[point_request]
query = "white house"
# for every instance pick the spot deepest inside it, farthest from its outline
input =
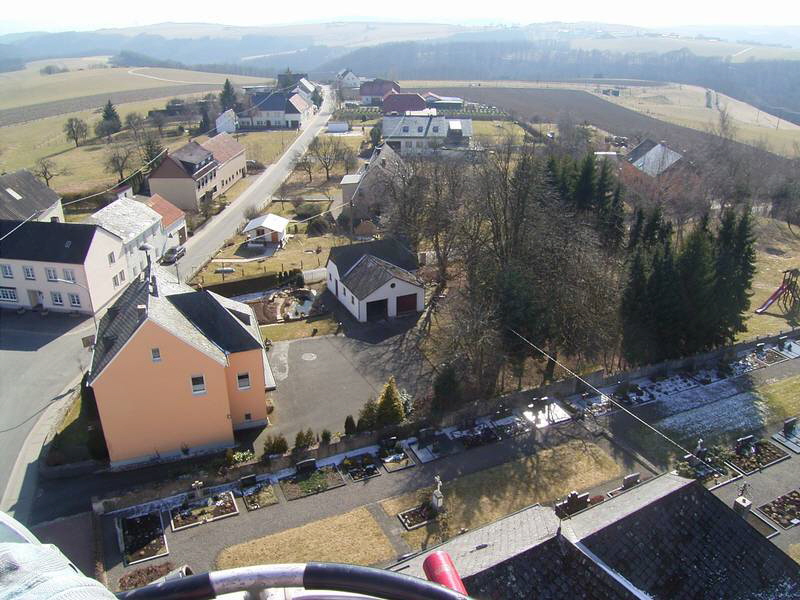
(70, 267)
(347, 79)
(227, 122)
(375, 280)
(266, 229)
(418, 134)
(23, 196)
(136, 224)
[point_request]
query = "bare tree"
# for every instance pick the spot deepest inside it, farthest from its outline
(349, 159)
(327, 151)
(159, 120)
(46, 169)
(76, 130)
(283, 192)
(306, 165)
(117, 159)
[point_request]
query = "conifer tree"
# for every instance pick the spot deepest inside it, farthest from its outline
(637, 338)
(745, 251)
(110, 113)
(227, 98)
(584, 191)
(665, 301)
(698, 313)
(726, 266)
(613, 219)
(603, 186)
(635, 235)
(390, 405)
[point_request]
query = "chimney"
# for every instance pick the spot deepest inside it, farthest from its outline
(154, 285)
(141, 310)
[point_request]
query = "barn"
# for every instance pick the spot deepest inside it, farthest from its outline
(375, 280)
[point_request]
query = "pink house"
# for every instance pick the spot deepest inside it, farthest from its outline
(176, 371)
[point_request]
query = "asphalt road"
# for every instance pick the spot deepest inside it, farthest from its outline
(206, 242)
(39, 357)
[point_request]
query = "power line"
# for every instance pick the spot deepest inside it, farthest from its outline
(611, 399)
(20, 225)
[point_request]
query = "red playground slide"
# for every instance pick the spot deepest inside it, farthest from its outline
(771, 299)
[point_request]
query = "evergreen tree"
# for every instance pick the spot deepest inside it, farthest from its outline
(665, 301)
(726, 266)
(446, 389)
(584, 190)
(635, 235)
(368, 417)
(637, 325)
(349, 425)
(613, 219)
(110, 113)
(653, 230)
(698, 313)
(745, 251)
(227, 99)
(603, 186)
(390, 405)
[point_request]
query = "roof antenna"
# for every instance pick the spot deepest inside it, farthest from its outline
(146, 248)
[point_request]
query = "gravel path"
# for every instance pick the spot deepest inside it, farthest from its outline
(12, 116)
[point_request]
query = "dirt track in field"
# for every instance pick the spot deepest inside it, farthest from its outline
(12, 116)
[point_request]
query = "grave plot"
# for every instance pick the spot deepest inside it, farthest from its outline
(771, 356)
(790, 349)
(750, 455)
(789, 435)
(511, 426)
(142, 538)
(393, 456)
(259, 496)
(362, 466)
(417, 517)
(545, 413)
(431, 444)
(673, 384)
(309, 479)
(204, 510)
(745, 365)
(708, 375)
(784, 510)
(474, 434)
(628, 482)
(708, 466)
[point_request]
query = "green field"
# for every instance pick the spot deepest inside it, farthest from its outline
(28, 86)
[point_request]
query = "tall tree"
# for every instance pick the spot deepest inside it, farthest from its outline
(665, 301)
(227, 98)
(584, 192)
(327, 151)
(76, 130)
(696, 268)
(604, 184)
(390, 406)
(46, 169)
(151, 151)
(118, 158)
(637, 324)
(613, 219)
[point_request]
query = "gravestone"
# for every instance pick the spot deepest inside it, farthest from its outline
(744, 444)
(247, 481)
(790, 427)
(308, 465)
(437, 497)
(630, 480)
(742, 505)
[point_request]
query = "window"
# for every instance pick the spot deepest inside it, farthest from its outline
(419, 129)
(111, 259)
(155, 354)
(69, 275)
(122, 276)
(352, 300)
(435, 129)
(198, 384)
(74, 300)
(248, 416)
(392, 285)
(7, 273)
(330, 277)
(57, 298)
(8, 294)
(51, 274)
(115, 279)
(29, 274)
(243, 379)
(405, 129)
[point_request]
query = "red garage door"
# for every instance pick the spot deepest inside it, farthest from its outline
(407, 303)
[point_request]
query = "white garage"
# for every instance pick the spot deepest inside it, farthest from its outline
(367, 279)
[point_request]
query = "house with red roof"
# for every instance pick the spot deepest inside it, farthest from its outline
(400, 102)
(372, 92)
(173, 219)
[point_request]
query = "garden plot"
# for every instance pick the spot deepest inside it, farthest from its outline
(259, 496)
(784, 510)
(205, 510)
(712, 471)
(142, 538)
(747, 363)
(771, 356)
(305, 484)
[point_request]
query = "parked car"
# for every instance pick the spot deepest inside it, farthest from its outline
(172, 255)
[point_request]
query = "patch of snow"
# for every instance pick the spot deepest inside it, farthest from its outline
(742, 412)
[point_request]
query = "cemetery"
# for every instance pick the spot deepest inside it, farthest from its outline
(751, 455)
(203, 510)
(789, 435)
(361, 467)
(142, 538)
(310, 479)
(394, 456)
(709, 466)
(784, 510)
(257, 495)
(427, 511)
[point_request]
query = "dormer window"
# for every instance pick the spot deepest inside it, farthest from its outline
(405, 129)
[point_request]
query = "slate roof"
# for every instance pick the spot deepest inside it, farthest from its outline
(370, 273)
(34, 196)
(192, 153)
(47, 242)
(223, 146)
(667, 539)
(216, 323)
(392, 251)
(125, 217)
(211, 324)
(270, 101)
(652, 158)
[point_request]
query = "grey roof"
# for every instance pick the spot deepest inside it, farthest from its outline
(126, 217)
(270, 101)
(668, 538)
(192, 153)
(370, 273)
(652, 158)
(392, 251)
(214, 321)
(206, 321)
(34, 196)
(47, 242)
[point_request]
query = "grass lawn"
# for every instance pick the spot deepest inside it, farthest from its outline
(782, 398)
(266, 146)
(353, 537)
(794, 552)
(483, 497)
(500, 130)
(300, 252)
(324, 324)
(778, 249)
(72, 436)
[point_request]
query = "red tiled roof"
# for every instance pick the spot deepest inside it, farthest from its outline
(393, 102)
(168, 211)
(223, 147)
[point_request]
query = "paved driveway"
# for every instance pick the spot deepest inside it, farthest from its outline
(322, 380)
(39, 356)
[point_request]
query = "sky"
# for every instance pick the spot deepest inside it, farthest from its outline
(57, 15)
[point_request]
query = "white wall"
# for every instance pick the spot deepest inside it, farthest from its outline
(402, 288)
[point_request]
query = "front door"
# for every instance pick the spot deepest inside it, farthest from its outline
(36, 298)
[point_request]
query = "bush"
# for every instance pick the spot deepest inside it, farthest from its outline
(368, 416)
(318, 226)
(303, 440)
(447, 393)
(307, 210)
(326, 436)
(275, 445)
(251, 213)
(349, 425)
